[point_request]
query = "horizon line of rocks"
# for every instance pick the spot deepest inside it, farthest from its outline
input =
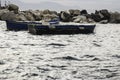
(12, 12)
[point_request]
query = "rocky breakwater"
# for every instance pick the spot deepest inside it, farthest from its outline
(12, 12)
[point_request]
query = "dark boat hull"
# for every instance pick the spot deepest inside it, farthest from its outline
(18, 25)
(60, 29)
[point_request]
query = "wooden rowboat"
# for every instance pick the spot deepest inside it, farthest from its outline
(19, 25)
(60, 29)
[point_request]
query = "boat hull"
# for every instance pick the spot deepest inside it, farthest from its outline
(60, 29)
(18, 25)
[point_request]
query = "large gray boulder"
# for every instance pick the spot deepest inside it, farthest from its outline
(46, 11)
(80, 19)
(105, 13)
(37, 15)
(49, 17)
(54, 12)
(13, 7)
(101, 16)
(83, 12)
(96, 17)
(29, 17)
(74, 12)
(65, 16)
(115, 17)
(2, 12)
(89, 20)
(21, 17)
(9, 16)
(104, 22)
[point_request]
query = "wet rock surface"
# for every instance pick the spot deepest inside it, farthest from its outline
(60, 57)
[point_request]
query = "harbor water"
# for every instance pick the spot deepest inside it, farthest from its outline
(24, 56)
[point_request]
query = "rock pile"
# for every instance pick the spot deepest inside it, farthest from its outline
(101, 16)
(12, 12)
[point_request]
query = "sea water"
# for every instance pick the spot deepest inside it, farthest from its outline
(96, 56)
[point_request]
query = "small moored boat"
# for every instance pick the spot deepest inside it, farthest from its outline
(61, 28)
(19, 25)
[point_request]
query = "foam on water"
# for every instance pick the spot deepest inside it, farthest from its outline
(60, 57)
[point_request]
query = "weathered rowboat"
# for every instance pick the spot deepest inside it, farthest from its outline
(19, 25)
(60, 29)
(53, 28)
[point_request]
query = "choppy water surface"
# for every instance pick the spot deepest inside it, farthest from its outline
(60, 57)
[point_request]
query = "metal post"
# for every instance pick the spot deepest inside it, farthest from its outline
(5, 3)
(0, 4)
(9, 3)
